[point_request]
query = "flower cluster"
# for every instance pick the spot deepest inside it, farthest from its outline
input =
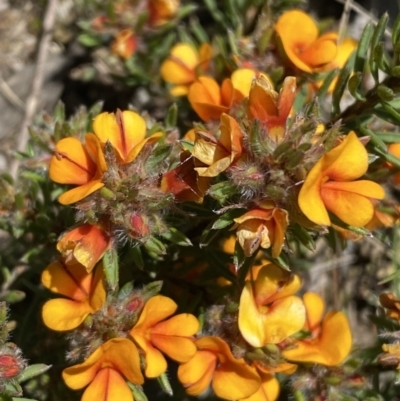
(154, 204)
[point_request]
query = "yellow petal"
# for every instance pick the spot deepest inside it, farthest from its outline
(124, 130)
(365, 188)
(80, 375)
(156, 309)
(296, 30)
(73, 282)
(268, 391)
(178, 348)
(98, 291)
(242, 80)
(346, 162)
(284, 318)
(81, 192)
(196, 374)
(353, 209)
(64, 314)
(108, 385)
(155, 361)
(122, 354)
(235, 381)
(183, 325)
(322, 51)
(137, 148)
(315, 307)
(179, 68)
(332, 346)
(72, 163)
(310, 201)
(179, 90)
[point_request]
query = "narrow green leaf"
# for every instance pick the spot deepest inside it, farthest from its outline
(176, 237)
(111, 268)
(341, 84)
(388, 137)
(33, 371)
(354, 86)
(322, 91)
(362, 48)
(198, 31)
(137, 391)
(376, 37)
(374, 138)
(385, 93)
(165, 384)
(396, 31)
(226, 219)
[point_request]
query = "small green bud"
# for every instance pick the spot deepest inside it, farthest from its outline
(155, 246)
(107, 193)
(271, 349)
(385, 93)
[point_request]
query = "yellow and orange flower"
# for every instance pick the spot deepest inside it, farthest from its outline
(184, 65)
(269, 107)
(106, 372)
(330, 337)
(78, 164)
(85, 244)
(330, 185)
(264, 226)
(126, 131)
(174, 337)
(213, 363)
(298, 35)
(268, 310)
(161, 11)
(86, 293)
(268, 391)
(218, 154)
(124, 45)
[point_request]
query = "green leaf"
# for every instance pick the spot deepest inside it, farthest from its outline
(89, 40)
(137, 391)
(374, 138)
(33, 371)
(198, 31)
(171, 117)
(222, 191)
(362, 48)
(111, 268)
(396, 31)
(155, 247)
(341, 84)
(126, 291)
(176, 237)
(376, 37)
(354, 85)
(226, 219)
(322, 91)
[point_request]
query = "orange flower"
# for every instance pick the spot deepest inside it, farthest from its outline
(184, 182)
(268, 310)
(126, 131)
(78, 164)
(269, 107)
(330, 186)
(173, 336)
(394, 149)
(392, 304)
(85, 244)
(184, 65)
(106, 370)
(231, 378)
(124, 45)
(209, 100)
(330, 340)
(298, 35)
(218, 155)
(262, 227)
(161, 11)
(85, 291)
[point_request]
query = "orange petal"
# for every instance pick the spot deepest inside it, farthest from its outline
(95, 150)
(310, 201)
(355, 210)
(179, 68)
(155, 361)
(268, 391)
(183, 325)
(231, 136)
(365, 188)
(98, 291)
(122, 354)
(88, 243)
(331, 348)
(322, 51)
(262, 102)
(73, 282)
(79, 376)
(64, 314)
(124, 130)
(72, 163)
(108, 385)
(315, 307)
(346, 162)
(79, 193)
(137, 148)
(178, 348)
(296, 30)
(286, 97)
(205, 91)
(156, 309)
(196, 374)
(284, 318)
